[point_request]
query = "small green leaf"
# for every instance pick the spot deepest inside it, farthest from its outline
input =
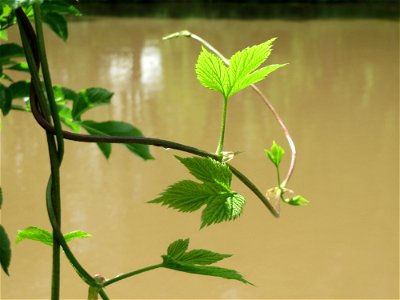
(45, 237)
(115, 128)
(5, 250)
(202, 257)
(57, 23)
(35, 234)
(208, 170)
(77, 234)
(88, 99)
(197, 261)
(297, 201)
(275, 154)
(178, 248)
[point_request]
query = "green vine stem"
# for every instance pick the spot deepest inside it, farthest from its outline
(186, 33)
(220, 146)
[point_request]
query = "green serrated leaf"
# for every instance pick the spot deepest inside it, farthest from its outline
(57, 23)
(5, 250)
(186, 196)
(222, 204)
(224, 207)
(77, 234)
(115, 128)
(202, 257)
(35, 234)
(275, 154)
(208, 170)
(196, 261)
(178, 248)
(88, 99)
(213, 74)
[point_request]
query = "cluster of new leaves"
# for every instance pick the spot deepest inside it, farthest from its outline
(214, 191)
(241, 73)
(197, 261)
(275, 155)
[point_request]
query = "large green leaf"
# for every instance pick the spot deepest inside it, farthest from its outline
(222, 204)
(115, 128)
(57, 23)
(5, 250)
(197, 261)
(242, 72)
(88, 99)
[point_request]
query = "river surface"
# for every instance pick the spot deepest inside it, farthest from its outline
(339, 97)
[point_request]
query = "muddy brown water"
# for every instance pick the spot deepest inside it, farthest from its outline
(339, 97)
